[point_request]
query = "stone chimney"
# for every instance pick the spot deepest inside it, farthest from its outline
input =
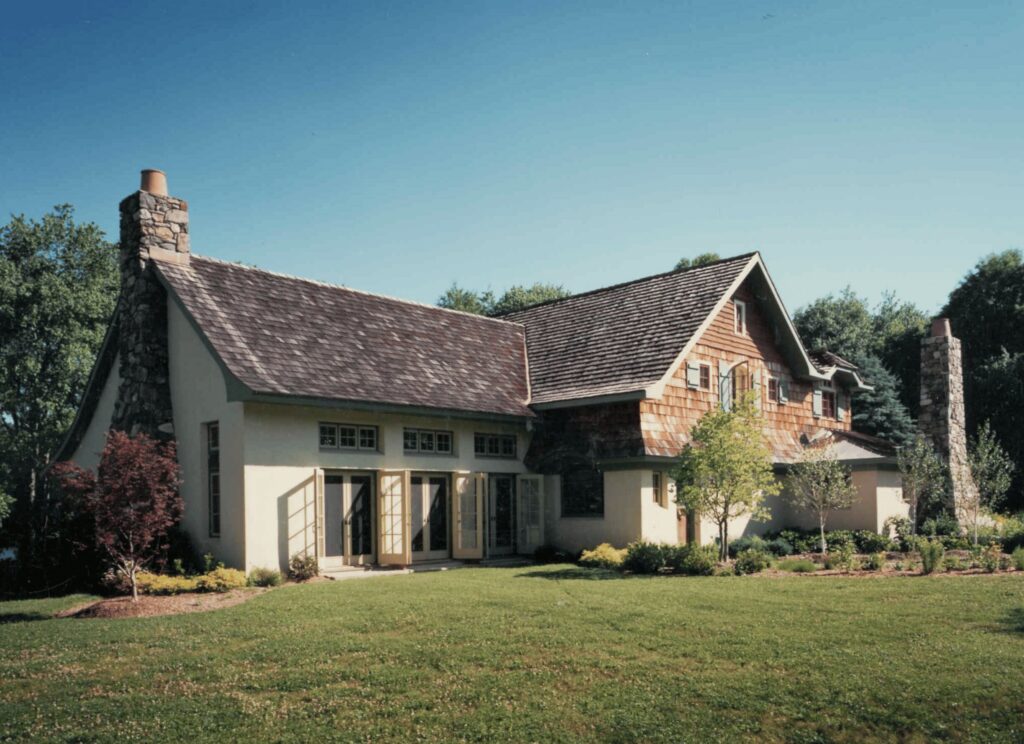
(154, 226)
(941, 418)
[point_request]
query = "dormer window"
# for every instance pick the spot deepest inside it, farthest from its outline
(740, 312)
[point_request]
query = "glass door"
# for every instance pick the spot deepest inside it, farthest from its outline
(359, 520)
(501, 523)
(429, 510)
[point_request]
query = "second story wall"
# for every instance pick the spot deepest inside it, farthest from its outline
(666, 422)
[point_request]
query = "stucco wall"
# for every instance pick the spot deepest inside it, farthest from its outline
(282, 450)
(657, 523)
(620, 524)
(87, 455)
(198, 396)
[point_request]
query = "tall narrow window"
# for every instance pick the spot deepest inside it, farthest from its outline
(773, 389)
(213, 476)
(705, 377)
(657, 487)
(828, 403)
(740, 309)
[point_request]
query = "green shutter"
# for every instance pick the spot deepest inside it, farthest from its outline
(724, 386)
(840, 410)
(783, 391)
(816, 403)
(692, 375)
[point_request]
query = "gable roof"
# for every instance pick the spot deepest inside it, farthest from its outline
(620, 340)
(280, 336)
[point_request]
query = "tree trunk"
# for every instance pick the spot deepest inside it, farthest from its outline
(724, 529)
(135, 585)
(821, 526)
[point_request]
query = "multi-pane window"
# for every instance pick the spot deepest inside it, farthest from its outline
(742, 382)
(430, 441)
(213, 476)
(773, 389)
(348, 436)
(705, 377)
(740, 310)
(659, 488)
(494, 445)
(583, 493)
(828, 403)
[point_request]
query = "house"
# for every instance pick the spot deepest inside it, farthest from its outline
(369, 430)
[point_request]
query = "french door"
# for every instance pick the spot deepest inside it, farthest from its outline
(429, 517)
(501, 512)
(348, 518)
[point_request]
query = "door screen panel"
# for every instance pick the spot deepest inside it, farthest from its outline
(333, 515)
(416, 512)
(502, 514)
(438, 495)
(360, 516)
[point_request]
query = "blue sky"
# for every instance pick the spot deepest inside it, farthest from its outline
(398, 147)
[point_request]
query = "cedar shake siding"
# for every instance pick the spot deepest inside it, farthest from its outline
(666, 422)
(582, 437)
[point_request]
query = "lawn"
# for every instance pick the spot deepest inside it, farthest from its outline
(534, 654)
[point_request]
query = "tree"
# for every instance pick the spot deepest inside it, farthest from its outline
(725, 471)
(880, 412)
(515, 297)
(133, 499)
(58, 286)
(924, 476)
(702, 259)
(820, 483)
(992, 470)
(5, 506)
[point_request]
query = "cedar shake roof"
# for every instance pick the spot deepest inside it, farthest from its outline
(280, 335)
(823, 359)
(620, 339)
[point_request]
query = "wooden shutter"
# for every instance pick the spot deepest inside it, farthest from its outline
(840, 410)
(393, 515)
(724, 386)
(318, 496)
(468, 505)
(783, 390)
(530, 513)
(816, 403)
(756, 376)
(692, 375)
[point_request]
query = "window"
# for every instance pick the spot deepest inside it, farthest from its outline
(348, 436)
(742, 382)
(705, 377)
(828, 403)
(740, 312)
(213, 476)
(428, 441)
(773, 389)
(583, 493)
(494, 445)
(660, 490)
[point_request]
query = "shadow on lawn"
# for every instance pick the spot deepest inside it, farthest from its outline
(23, 617)
(575, 573)
(1015, 620)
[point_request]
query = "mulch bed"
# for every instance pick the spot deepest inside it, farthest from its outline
(150, 606)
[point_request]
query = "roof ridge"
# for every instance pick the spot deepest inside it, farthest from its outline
(610, 287)
(329, 285)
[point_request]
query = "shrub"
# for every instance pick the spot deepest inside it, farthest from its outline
(779, 547)
(870, 542)
(603, 556)
(691, 560)
(1011, 531)
(752, 561)
(953, 563)
(874, 562)
(992, 558)
(902, 528)
(1017, 559)
(840, 557)
(839, 539)
(797, 565)
(939, 525)
(747, 542)
(150, 583)
(931, 554)
(221, 580)
(264, 577)
(303, 567)
(644, 557)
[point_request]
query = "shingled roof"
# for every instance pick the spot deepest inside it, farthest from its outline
(283, 336)
(620, 339)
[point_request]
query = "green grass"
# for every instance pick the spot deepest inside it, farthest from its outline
(797, 565)
(534, 654)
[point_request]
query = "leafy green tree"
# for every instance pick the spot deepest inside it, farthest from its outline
(725, 471)
(5, 506)
(58, 286)
(514, 298)
(819, 483)
(924, 476)
(702, 259)
(992, 470)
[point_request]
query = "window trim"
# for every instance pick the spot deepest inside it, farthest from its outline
(500, 438)
(659, 482)
(358, 430)
(774, 382)
(829, 394)
(739, 323)
(419, 432)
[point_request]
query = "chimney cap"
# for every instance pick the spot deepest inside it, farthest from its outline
(154, 181)
(940, 327)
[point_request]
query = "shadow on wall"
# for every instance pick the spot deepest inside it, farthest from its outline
(296, 521)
